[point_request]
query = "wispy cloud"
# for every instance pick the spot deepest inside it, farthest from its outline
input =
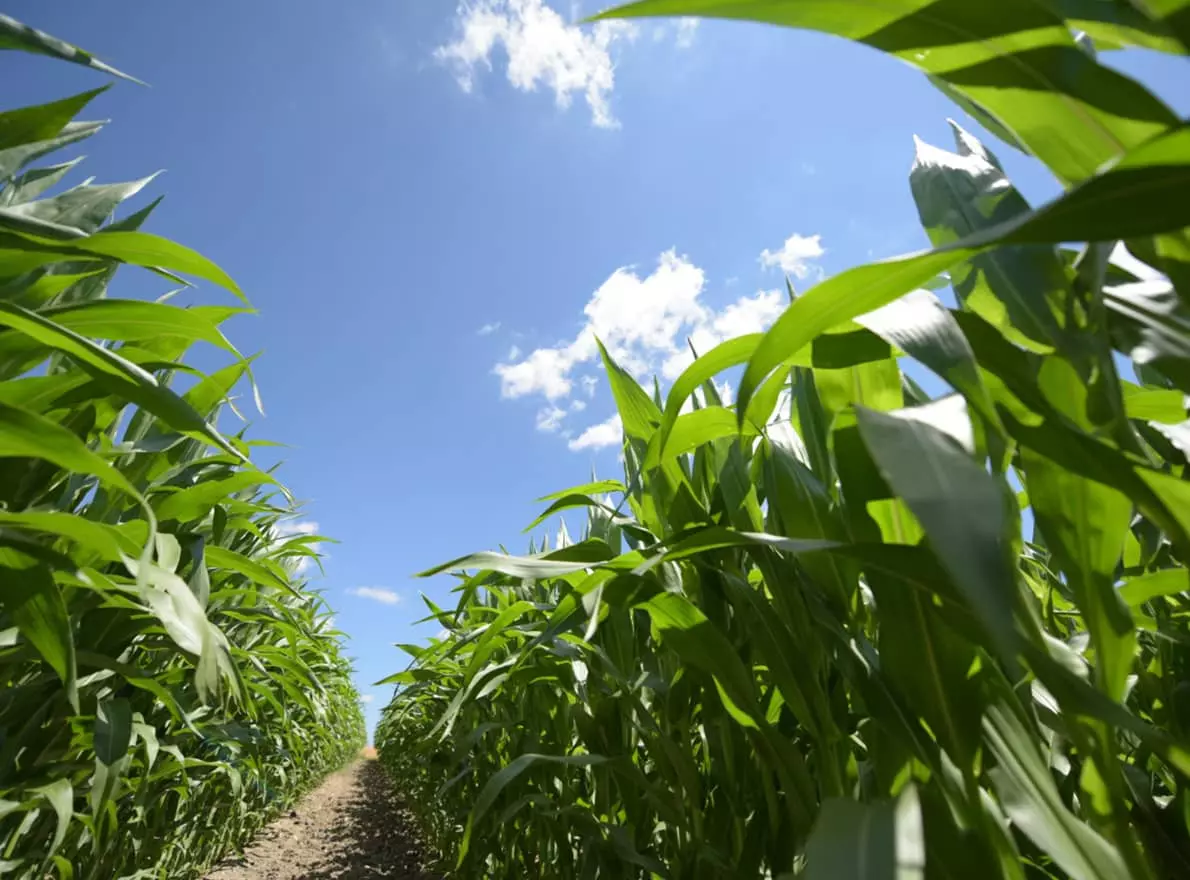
(376, 594)
(488, 329)
(366, 698)
(686, 29)
(549, 419)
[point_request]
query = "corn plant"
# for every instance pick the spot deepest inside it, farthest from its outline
(166, 681)
(844, 627)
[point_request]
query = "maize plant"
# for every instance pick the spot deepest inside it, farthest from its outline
(166, 681)
(861, 623)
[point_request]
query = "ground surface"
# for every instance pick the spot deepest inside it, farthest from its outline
(352, 827)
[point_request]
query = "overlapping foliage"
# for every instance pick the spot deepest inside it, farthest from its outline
(845, 628)
(166, 682)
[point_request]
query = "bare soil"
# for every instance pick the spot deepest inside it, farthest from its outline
(352, 827)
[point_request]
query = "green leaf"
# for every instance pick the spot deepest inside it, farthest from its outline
(501, 779)
(693, 429)
(59, 794)
(569, 502)
(547, 565)
(1164, 405)
(1084, 524)
(27, 435)
(597, 488)
(960, 506)
(1117, 25)
(113, 730)
(1139, 589)
(132, 320)
(1032, 801)
(84, 208)
(1111, 205)
(34, 602)
(13, 159)
(1017, 288)
(638, 412)
(1149, 322)
(723, 356)
(1016, 60)
(41, 123)
(195, 502)
(137, 248)
(108, 542)
(136, 384)
(221, 557)
(857, 841)
(14, 35)
(33, 183)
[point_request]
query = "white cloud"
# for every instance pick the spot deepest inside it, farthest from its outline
(541, 48)
(366, 698)
(750, 314)
(376, 594)
(683, 31)
(488, 329)
(513, 353)
(686, 28)
(549, 418)
(608, 433)
(637, 319)
(796, 257)
(648, 325)
(287, 528)
(545, 371)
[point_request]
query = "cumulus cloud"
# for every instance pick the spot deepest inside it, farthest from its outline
(796, 257)
(366, 698)
(376, 594)
(542, 49)
(648, 325)
(599, 436)
(636, 318)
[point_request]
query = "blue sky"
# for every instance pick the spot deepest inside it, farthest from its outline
(434, 208)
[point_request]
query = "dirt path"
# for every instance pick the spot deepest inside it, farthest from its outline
(351, 827)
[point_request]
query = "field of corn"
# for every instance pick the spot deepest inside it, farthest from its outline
(167, 684)
(846, 627)
(912, 603)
